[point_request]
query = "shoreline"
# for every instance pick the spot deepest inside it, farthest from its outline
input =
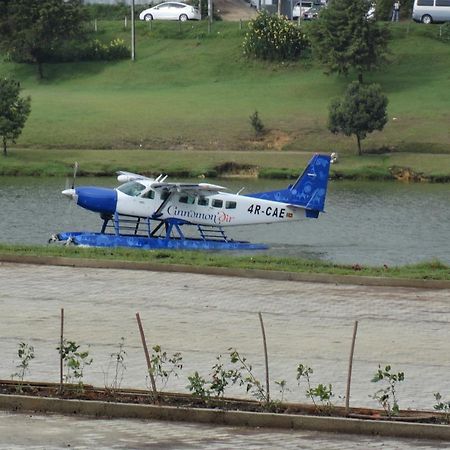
(226, 271)
(246, 164)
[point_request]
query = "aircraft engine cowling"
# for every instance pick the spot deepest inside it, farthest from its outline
(97, 199)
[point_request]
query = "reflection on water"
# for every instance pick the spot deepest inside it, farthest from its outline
(366, 223)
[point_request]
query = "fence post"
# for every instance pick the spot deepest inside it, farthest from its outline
(266, 358)
(350, 365)
(61, 343)
(147, 356)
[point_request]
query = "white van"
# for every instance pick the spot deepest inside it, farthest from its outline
(429, 11)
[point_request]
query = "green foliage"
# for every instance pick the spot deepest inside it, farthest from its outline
(246, 377)
(360, 111)
(343, 39)
(442, 406)
(99, 51)
(222, 377)
(257, 125)
(162, 366)
(282, 385)
(14, 111)
(25, 353)
(117, 365)
(33, 30)
(321, 393)
(387, 396)
(273, 38)
(74, 361)
(197, 385)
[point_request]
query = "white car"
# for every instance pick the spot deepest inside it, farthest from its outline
(170, 11)
(306, 6)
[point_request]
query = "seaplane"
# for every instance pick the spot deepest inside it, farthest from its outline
(153, 213)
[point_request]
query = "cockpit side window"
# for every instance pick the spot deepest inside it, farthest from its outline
(164, 194)
(149, 194)
(132, 188)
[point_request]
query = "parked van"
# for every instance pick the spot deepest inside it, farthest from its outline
(428, 11)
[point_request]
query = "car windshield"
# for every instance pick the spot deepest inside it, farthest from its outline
(132, 188)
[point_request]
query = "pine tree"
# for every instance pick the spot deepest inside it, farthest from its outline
(344, 39)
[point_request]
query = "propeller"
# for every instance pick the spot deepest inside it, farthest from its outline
(75, 170)
(70, 193)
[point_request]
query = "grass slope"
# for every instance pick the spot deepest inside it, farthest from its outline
(192, 90)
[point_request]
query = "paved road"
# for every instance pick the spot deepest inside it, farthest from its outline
(202, 316)
(19, 431)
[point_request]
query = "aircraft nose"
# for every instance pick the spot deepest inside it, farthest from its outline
(70, 193)
(97, 199)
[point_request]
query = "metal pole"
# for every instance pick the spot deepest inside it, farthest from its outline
(210, 14)
(350, 365)
(133, 34)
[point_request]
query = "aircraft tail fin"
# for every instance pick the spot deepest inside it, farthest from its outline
(310, 189)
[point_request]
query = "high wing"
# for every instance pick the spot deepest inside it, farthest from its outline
(188, 188)
(123, 176)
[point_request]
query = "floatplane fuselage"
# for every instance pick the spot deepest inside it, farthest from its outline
(204, 204)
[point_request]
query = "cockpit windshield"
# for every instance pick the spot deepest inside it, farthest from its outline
(132, 188)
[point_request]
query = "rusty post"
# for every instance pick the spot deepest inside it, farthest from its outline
(350, 366)
(147, 357)
(266, 358)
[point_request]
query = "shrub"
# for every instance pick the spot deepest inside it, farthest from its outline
(273, 38)
(98, 51)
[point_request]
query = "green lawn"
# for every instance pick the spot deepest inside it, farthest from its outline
(432, 270)
(189, 90)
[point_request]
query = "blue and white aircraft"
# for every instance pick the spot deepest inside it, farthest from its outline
(159, 209)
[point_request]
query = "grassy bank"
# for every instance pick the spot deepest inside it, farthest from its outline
(190, 90)
(434, 270)
(194, 163)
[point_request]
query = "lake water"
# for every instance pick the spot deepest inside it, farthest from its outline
(366, 222)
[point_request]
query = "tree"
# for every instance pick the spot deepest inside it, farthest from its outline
(360, 111)
(344, 39)
(14, 111)
(34, 30)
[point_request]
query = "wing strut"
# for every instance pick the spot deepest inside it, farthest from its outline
(158, 212)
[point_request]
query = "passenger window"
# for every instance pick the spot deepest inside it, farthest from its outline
(149, 194)
(230, 205)
(442, 2)
(187, 199)
(217, 203)
(164, 195)
(203, 201)
(425, 2)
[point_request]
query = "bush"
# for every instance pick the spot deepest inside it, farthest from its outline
(273, 38)
(98, 51)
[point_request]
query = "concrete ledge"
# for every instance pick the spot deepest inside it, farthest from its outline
(219, 417)
(225, 271)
